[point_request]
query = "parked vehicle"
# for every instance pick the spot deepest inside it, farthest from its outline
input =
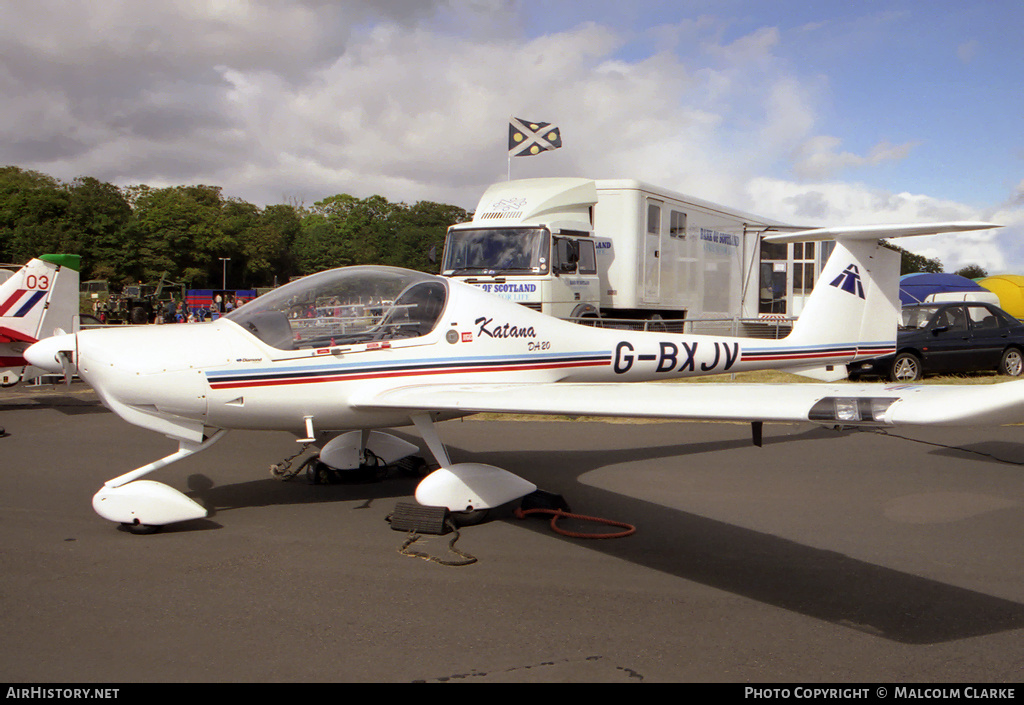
(624, 249)
(951, 337)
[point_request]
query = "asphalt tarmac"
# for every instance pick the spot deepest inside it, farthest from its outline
(823, 556)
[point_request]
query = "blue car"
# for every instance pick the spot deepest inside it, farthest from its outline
(963, 336)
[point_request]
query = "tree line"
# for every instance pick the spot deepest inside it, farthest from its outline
(194, 234)
(911, 263)
(140, 234)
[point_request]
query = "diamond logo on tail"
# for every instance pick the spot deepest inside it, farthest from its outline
(849, 281)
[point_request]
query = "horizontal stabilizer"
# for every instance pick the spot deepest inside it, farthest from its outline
(878, 232)
(9, 335)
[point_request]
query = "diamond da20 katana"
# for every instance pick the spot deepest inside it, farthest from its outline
(335, 356)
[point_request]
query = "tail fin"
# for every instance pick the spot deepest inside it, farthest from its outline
(35, 301)
(855, 304)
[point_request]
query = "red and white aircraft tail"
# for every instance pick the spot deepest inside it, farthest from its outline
(36, 301)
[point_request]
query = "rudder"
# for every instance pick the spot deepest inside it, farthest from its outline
(854, 306)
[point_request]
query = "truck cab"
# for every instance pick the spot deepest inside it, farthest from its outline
(532, 242)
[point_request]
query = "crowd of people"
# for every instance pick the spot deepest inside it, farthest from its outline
(117, 310)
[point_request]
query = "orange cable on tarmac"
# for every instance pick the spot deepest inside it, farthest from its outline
(559, 514)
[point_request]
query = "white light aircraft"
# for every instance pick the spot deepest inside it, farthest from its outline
(35, 301)
(357, 349)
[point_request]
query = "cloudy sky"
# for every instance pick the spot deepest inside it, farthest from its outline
(813, 112)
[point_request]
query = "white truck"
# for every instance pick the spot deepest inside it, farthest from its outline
(623, 249)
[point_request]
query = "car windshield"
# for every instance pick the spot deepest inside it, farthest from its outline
(346, 306)
(497, 250)
(917, 316)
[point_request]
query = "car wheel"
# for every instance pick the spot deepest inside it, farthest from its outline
(906, 367)
(1012, 363)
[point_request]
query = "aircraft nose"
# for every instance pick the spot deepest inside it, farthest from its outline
(46, 354)
(152, 372)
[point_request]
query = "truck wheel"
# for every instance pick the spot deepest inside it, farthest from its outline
(1012, 363)
(139, 316)
(906, 367)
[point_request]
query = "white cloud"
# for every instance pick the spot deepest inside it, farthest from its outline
(833, 204)
(298, 101)
(789, 115)
(264, 99)
(438, 132)
(751, 49)
(818, 157)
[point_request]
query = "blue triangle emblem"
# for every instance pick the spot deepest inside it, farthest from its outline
(849, 281)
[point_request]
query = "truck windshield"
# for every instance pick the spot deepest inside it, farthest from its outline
(497, 250)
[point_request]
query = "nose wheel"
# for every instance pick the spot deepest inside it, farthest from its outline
(140, 529)
(143, 506)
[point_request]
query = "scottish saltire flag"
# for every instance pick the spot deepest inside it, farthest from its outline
(527, 138)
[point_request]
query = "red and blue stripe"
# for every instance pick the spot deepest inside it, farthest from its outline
(236, 379)
(21, 303)
(818, 353)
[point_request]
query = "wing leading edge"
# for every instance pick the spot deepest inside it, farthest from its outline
(847, 404)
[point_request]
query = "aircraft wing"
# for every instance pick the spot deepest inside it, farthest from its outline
(829, 404)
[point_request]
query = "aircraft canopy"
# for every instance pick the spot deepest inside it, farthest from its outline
(344, 307)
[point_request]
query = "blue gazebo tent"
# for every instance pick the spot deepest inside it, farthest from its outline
(923, 287)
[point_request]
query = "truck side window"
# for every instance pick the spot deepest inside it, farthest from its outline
(677, 225)
(588, 257)
(653, 219)
(566, 255)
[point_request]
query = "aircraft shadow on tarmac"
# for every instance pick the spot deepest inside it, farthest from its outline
(818, 583)
(814, 582)
(272, 492)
